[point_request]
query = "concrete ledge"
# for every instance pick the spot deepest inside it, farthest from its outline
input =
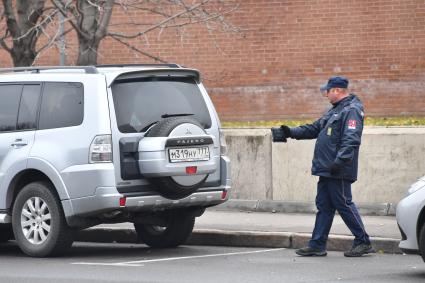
(375, 209)
(389, 163)
(209, 237)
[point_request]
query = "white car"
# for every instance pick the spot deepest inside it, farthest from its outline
(411, 219)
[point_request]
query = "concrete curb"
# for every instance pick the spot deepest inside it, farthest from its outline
(375, 209)
(209, 237)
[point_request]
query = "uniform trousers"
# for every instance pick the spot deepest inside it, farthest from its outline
(335, 195)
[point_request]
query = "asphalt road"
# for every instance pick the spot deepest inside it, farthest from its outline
(137, 263)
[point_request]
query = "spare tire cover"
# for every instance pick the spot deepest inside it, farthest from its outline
(177, 187)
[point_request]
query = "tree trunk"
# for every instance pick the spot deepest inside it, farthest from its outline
(22, 56)
(93, 23)
(21, 26)
(23, 52)
(87, 52)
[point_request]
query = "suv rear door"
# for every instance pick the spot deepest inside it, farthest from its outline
(139, 102)
(18, 117)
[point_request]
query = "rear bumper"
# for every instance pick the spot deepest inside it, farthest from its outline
(155, 203)
(107, 199)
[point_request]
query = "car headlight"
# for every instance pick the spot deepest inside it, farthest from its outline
(420, 184)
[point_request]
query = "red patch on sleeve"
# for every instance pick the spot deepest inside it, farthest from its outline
(352, 124)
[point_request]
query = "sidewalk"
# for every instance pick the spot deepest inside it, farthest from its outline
(261, 229)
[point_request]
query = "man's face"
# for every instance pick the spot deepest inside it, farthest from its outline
(334, 95)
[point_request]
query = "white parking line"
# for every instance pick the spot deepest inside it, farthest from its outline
(142, 262)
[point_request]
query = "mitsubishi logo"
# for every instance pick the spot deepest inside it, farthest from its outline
(188, 132)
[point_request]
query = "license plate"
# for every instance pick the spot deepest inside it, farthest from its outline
(188, 154)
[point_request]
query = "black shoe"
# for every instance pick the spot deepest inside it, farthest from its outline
(359, 250)
(308, 251)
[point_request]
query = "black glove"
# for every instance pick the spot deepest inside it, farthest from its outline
(335, 169)
(286, 130)
(281, 134)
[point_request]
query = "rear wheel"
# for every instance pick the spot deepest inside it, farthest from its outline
(421, 241)
(6, 233)
(38, 221)
(175, 233)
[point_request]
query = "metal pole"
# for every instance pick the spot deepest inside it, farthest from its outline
(62, 55)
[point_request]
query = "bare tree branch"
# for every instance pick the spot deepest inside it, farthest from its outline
(47, 20)
(103, 25)
(4, 45)
(138, 50)
(91, 20)
(160, 23)
(23, 27)
(10, 18)
(6, 35)
(52, 41)
(63, 8)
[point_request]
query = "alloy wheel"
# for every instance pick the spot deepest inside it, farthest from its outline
(35, 220)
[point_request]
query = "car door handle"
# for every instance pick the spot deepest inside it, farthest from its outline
(19, 143)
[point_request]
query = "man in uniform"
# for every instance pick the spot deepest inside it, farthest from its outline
(338, 136)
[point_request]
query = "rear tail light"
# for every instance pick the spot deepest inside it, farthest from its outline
(123, 200)
(223, 145)
(101, 149)
(191, 170)
(224, 195)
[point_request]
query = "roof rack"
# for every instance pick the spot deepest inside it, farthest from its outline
(86, 69)
(170, 65)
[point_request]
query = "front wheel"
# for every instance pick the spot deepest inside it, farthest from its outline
(175, 233)
(38, 221)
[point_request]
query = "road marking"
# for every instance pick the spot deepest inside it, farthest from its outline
(142, 262)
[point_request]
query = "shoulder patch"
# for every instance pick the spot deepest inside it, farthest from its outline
(352, 124)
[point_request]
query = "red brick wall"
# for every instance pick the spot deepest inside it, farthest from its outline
(289, 48)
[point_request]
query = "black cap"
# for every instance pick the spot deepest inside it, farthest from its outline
(339, 82)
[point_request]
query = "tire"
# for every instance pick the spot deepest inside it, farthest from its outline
(38, 221)
(421, 241)
(167, 186)
(176, 233)
(6, 233)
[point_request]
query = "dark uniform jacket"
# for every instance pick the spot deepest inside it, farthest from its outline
(338, 135)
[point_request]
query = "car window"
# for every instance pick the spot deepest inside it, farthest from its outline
(62, 105)
(27, 118)
(141, 102)
(9, 103)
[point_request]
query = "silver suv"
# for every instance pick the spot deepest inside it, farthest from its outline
(81, 146)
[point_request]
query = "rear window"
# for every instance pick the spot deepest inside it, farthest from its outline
(62, 105)
(141, 102)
